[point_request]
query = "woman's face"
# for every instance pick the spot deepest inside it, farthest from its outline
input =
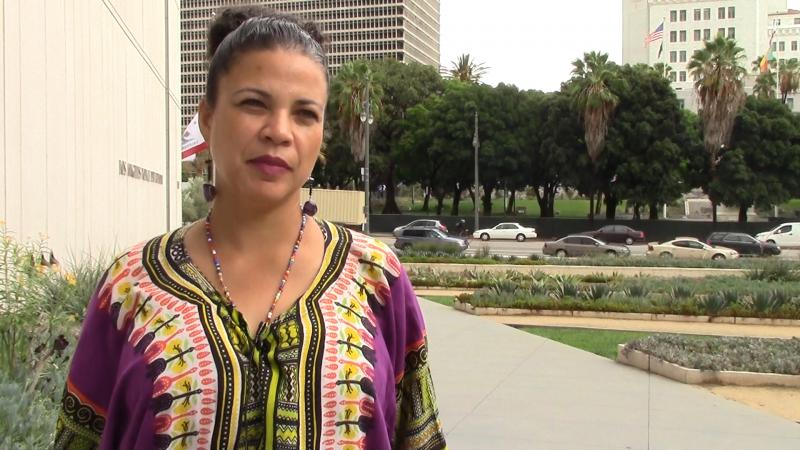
(265, 129)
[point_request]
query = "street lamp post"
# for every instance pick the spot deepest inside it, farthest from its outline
(476, 144)
(366, 119)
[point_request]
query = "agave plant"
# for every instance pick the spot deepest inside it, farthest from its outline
(715, 303)
(761, 302)
(564, 288)
(637, 290)
(501, 287)
(680, 292)
(596, 292)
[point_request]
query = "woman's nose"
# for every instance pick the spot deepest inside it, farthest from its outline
(277, 127)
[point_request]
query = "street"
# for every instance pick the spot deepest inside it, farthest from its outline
(534, 247)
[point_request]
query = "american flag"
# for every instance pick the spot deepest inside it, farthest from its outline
(655, 35)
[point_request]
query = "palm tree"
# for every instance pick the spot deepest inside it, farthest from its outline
(663, 69)
(789, 78)
(765, 81)
(466, 69)
(719, 73)
(348, 93)
(596, 103)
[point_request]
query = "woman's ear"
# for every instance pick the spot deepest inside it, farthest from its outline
(205, 117)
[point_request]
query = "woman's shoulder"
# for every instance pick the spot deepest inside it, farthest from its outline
(131, 262)
(373, 251)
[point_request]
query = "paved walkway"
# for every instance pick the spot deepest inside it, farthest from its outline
(702, 328)
(502, 388)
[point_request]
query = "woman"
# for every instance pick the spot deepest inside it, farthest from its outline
(259, 327)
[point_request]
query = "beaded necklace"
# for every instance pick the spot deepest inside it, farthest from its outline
(282, 284)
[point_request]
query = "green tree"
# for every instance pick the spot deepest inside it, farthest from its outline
(789, 78)
(765, 83)
(194, 205)
(663, 69)
(437, 143)
(719, 73)
(551, 135)
(646, 153)
(401, 87)
(762, 165)
(465, 69)
(596, 103)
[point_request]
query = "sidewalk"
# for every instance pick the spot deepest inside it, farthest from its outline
(502, 388)
(707, 329)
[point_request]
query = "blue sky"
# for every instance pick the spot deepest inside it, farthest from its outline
(534, 45)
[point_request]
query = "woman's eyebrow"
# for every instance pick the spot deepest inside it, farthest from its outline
(265, 94)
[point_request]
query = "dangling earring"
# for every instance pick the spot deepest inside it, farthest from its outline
(309, 207)
(209, 190)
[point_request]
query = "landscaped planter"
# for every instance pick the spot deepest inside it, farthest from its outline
(494, 311)
(675, 372)
(664, 272)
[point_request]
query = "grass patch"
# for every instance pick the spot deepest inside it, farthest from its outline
(446, 300)
(599, 342)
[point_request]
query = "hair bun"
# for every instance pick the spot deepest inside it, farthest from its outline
(228, 19)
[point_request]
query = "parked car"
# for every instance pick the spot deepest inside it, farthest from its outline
(689, 247)
(617, 233)
(411, 237)
(784, 235)
(508, 230)
(742, 243)
(421, 223)
(579, 245)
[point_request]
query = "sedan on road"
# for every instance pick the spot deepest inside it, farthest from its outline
(689, 247)
(421, 223)
(617, 233)
(742, 243)
(428, 237)
(579, 245)
(508, 230)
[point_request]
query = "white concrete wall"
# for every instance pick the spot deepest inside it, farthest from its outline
(83, 88)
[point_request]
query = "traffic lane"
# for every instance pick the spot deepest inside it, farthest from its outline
(534, 247)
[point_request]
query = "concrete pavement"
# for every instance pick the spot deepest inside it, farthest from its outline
(502, 388)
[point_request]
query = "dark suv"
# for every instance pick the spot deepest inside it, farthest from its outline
(742, 243)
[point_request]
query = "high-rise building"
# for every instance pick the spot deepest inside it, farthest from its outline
(785, 43)
(688, 24)
(405, 30)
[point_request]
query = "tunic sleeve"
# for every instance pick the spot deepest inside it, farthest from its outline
(86, 395)
(417, 420)
(106, 396)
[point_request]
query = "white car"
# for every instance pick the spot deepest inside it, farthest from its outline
(689, 247)
(784, 235)
(508, 230)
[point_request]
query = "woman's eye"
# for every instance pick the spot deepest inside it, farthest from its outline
(252, 102)
(309, 114)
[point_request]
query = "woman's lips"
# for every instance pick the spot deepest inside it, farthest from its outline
(271, 166)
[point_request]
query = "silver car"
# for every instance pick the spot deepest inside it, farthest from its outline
(411, 237)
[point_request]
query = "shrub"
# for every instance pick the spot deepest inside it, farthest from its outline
(637, 290)
(596, 292)
(774, 271)
(598, 277)
(680, 292)
(714, 304)
(41, 309)
(724, 353)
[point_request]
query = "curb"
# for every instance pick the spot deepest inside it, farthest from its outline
(492, 311)
(652, 364)
(664, 272)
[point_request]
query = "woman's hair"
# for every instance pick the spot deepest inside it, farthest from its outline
(240, 29)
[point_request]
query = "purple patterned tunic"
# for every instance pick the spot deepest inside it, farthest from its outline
(164, 362)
